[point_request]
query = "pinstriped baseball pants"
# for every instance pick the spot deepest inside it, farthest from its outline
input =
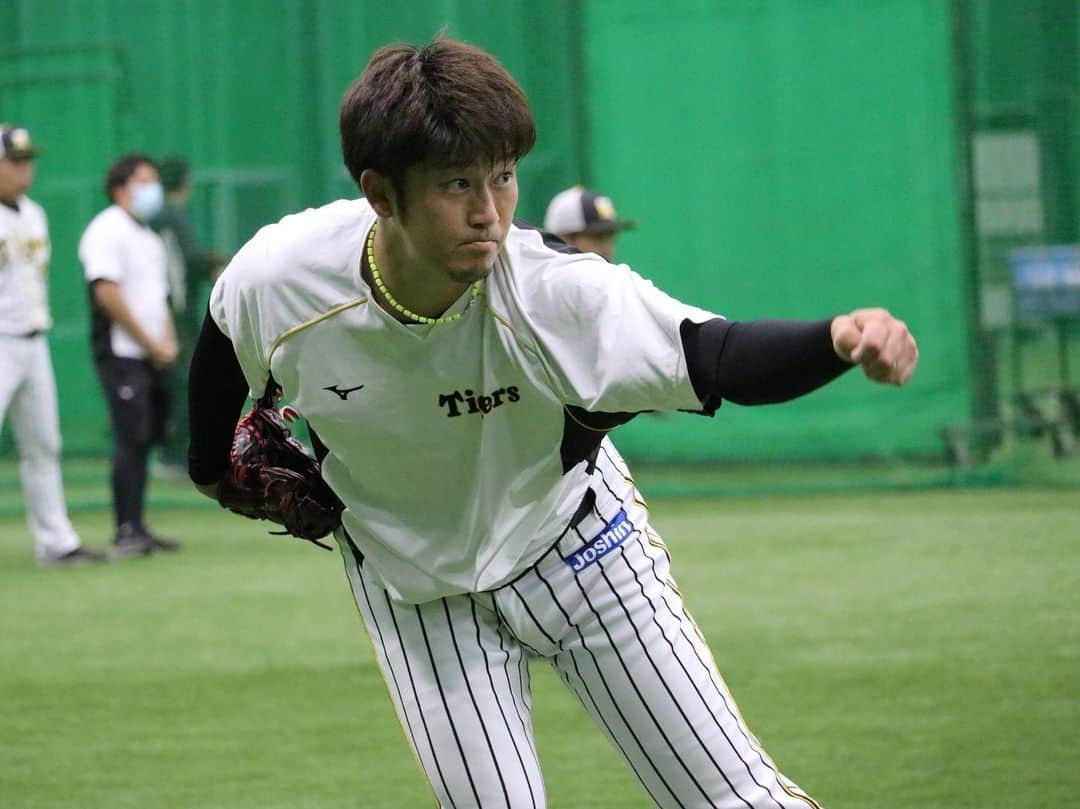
(615, 631)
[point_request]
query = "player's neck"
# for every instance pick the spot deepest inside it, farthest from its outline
(421, 289)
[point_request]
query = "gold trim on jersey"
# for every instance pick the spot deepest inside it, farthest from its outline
(520, 341)
(505, 321)
(655, 540)
(297, 329)
(580, 423)
(502, 319)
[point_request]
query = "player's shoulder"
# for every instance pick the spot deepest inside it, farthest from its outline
(323, 237)
(535, 253)
(32, 210)
(546, 270)
(107, 225)
(316, 227)
(112, 219)
(556, 286)
(531, 246)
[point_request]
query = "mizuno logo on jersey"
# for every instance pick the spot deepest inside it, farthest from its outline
(343, 393)
(610, 537)
(467, 401)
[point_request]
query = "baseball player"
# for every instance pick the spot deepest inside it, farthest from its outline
(460, 376)
(586, 219)
(27, 384)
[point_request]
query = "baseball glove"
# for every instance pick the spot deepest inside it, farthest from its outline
(272, 477)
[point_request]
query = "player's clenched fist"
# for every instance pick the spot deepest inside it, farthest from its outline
(878, 342)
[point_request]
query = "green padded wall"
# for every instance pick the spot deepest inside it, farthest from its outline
(784, 158)
(790, 159)
(249, 91)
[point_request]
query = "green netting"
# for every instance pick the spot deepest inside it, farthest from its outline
(791, 159)
(1022, 64)
(249, 92)
(783, 158)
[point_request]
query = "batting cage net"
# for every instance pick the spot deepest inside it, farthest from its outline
(781, 159)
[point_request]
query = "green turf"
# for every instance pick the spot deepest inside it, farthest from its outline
(891, 650)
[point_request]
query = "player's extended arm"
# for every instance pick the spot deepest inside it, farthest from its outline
(768, 361)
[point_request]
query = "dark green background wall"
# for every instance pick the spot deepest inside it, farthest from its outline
(249, 91)
(1024, 62)
(791, 159)
(784, 158)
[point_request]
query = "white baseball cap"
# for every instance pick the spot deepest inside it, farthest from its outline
(15, 143)
(582, 210)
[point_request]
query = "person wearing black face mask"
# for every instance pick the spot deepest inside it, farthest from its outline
(133, 338)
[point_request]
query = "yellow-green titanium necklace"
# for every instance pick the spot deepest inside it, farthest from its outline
(390, 299)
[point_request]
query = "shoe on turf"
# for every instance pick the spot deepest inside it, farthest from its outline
(128, 543)
(161, 543)
(73, 558)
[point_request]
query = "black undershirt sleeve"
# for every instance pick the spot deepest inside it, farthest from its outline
(749, 363)
(758, 361)
(217, 391)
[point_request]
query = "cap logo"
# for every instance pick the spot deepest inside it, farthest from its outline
(20, 139)
(604, 208)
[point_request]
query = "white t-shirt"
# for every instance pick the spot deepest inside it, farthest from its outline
(24, 263)
(116, 247)
(446, 442)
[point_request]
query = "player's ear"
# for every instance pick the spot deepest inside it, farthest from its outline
(379, 191)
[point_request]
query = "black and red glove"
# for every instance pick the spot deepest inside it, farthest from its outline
(272, 477)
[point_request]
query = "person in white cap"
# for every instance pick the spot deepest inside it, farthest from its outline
(27, 383)
(585, 219)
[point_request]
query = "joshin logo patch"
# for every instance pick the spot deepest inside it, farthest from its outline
(610, 537)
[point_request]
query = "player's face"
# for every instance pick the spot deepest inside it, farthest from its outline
(602, 244)
(455, 220)
(16, 177)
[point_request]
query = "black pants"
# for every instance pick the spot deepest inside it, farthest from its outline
(139, 404)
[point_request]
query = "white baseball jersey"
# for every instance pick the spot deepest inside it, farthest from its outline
(116, 247)
(24, 261)
(451, 445)
(27, 385)
(488, 521)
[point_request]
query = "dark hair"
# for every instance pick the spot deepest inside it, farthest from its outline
(174, 172)
(444, 104)
(120, 171)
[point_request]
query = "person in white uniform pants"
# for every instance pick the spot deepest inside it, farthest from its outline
(27, 384)
(460, 375)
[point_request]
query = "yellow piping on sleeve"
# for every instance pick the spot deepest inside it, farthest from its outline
(297, 329)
